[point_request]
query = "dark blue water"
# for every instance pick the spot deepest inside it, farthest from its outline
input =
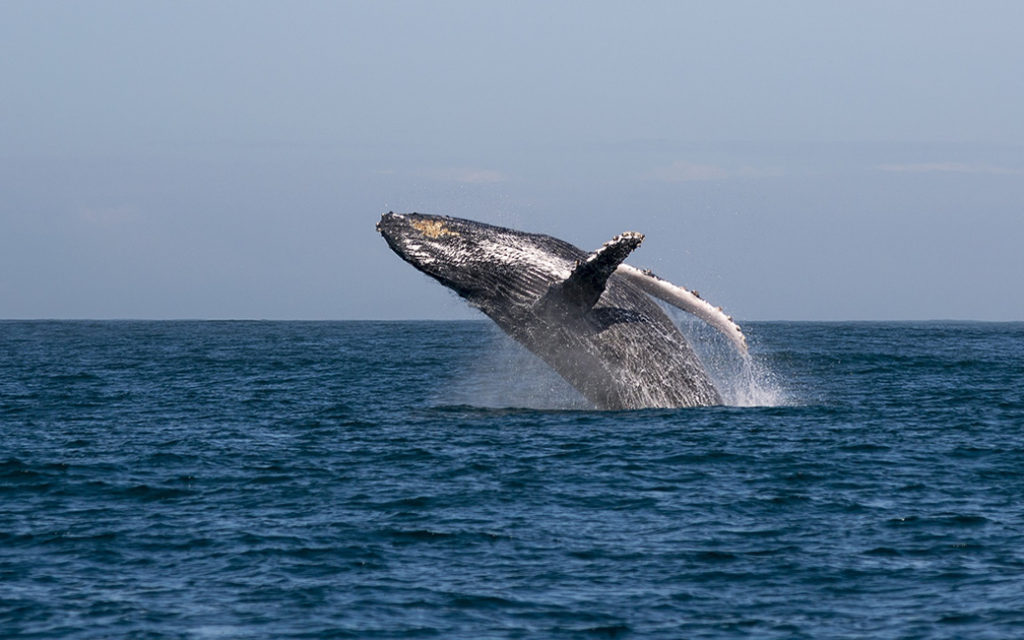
(319, 480)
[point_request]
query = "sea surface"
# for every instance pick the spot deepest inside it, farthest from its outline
(225, 480)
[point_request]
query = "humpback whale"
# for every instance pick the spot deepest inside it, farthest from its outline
(588, 315)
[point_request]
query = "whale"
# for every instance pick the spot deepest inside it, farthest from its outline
(588, 315)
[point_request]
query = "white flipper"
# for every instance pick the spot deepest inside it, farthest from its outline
(686, 300)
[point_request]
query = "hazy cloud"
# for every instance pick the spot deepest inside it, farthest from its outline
(681, 171)
(950, 167)
(464, 175)
(759, 172)
(689, 172)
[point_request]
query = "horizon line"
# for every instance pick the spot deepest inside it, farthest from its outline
(398, 320)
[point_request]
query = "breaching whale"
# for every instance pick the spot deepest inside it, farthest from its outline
(587, 315)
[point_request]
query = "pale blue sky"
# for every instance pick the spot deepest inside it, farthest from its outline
(790, 160)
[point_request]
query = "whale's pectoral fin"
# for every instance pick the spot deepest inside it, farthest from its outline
(686, 300)
(584, 286)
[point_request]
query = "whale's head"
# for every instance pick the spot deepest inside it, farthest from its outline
(483, 263)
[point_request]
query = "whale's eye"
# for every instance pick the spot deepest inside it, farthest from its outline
(433, 228)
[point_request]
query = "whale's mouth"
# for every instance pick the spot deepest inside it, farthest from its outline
(390, 227)
(422, 240)
(403, 238)
(389, 223)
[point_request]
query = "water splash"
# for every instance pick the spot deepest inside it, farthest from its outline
(507, 375)
(742, 379)
(753, 384)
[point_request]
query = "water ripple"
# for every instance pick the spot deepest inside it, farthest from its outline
(315, 480)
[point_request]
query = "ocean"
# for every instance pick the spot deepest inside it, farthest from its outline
(202, 480)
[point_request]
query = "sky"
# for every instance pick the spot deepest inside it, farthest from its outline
(789, 160)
